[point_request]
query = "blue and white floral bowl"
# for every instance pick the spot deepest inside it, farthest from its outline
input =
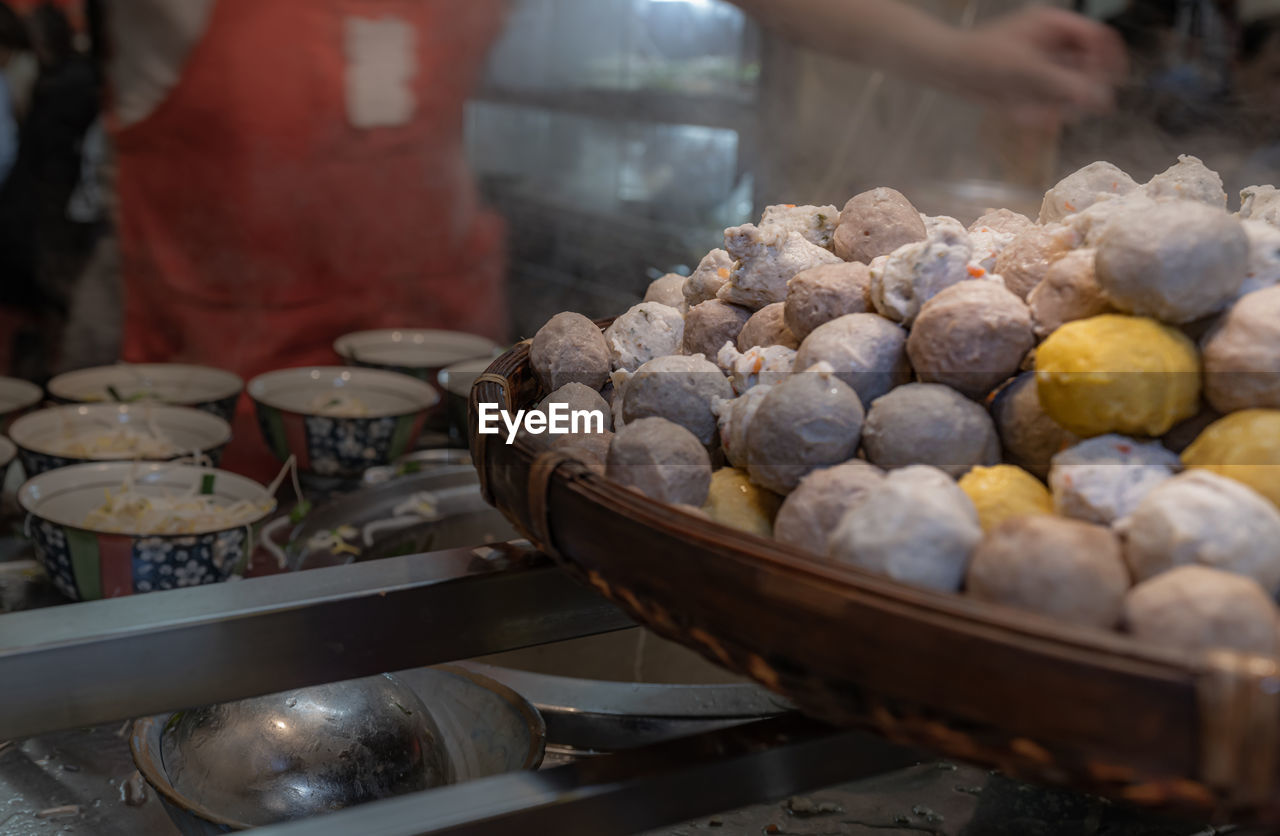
(86, 564)
(42, 436)
(201, 387)
(419, 352)
(291, 406)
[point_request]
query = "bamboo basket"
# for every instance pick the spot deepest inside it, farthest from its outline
(1037, 698)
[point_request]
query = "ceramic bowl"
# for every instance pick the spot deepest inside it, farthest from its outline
(42, 436)
(202, 387)
(456, 380)
(16, 397)
(419, 352)
(294, 413)
(86, 564)
(7, 451)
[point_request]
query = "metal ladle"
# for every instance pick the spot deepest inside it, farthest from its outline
(305, 752)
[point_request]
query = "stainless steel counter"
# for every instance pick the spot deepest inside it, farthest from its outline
(102, 661)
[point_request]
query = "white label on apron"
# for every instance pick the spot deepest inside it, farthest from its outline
(380, 66)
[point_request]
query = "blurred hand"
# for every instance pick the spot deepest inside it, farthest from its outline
(1041, 65)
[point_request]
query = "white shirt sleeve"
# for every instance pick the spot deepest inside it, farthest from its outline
(150, 42)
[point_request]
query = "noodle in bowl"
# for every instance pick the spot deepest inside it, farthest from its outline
(77, 434)
(419, 352)
(340, 420)
(202, 387)
(119, 528)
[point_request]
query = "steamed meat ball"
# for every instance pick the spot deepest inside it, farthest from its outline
(1065, 569)
(971, 336)
(1244, 446)
(646, 331)
(767, 258)
(1261, 203)
(668, 290)
(679, 388)
(1113, 373)
(1090, 225)
(709, 325)
(1201, 517)
(612, 392)
(1002, 221)
(826, 292)
(816, 223)
(1177, 261)
(1242, 354)
(1264, 256)
(592, 449)
(1068, 291)
(1081, 189)
(738, 503)
(933, 223)
(811, 419)
(913, 274)
(733, 417)
(569, 349)
(578, 398)
(767, 327)
(1028, 436)
(707, 279)
(867, 352)
(928, 423)
(661, 460)
(1188, 179)
(756, 365)
(813, 510)
(916, 527)
(985, 248)
(1195, 608)
(876, 222)
(1026, 260)
(1003, 491)
(1103, 479)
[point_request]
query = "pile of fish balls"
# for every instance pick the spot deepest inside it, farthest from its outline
(1075, 416)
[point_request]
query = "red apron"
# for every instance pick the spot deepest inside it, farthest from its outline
(259, 221)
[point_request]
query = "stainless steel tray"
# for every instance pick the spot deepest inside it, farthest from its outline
(439, 508)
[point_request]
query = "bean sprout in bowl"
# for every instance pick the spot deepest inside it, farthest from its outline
(340, 420)
(202, 387)
(79, 433)
(117, 528)
(16, 396)
(420, 352)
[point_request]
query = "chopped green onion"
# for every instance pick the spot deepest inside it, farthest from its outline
(299, 512)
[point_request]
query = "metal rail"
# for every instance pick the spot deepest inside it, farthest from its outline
(631, 791)
(103, 661)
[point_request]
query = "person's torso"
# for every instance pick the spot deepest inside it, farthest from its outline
(308, 146)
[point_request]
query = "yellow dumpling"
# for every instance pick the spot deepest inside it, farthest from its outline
(1118, 374)
(1244, 446)
(736, 501)
(1005, 491)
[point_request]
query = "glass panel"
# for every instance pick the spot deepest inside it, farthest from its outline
(677, 46)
